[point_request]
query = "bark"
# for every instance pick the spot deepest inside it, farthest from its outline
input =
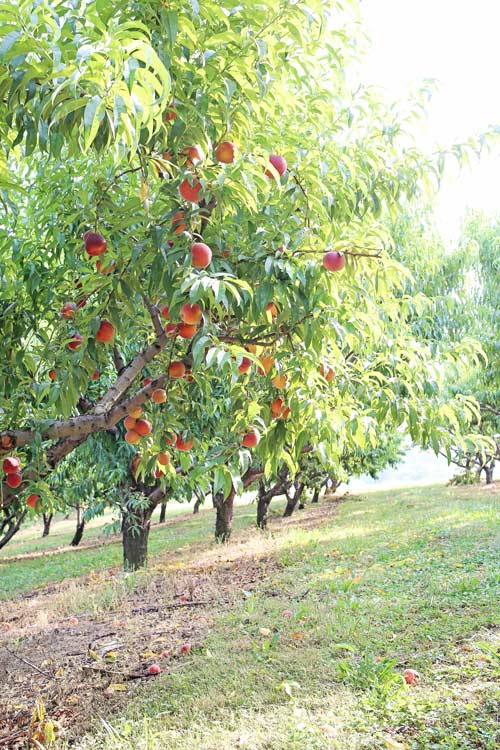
(135, 529)
(77, 538)
(47, 520)
(263, 504)
(10, 525)
(292, 500)
(488, 472)
(163, 512)
(224, 515)
(315, 497)
(196, 506)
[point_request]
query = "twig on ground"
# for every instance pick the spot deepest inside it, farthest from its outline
(28, 663)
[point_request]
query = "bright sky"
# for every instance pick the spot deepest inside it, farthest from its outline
(458, 43)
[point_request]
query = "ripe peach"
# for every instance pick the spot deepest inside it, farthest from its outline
(166, 654)
(129, 423)
(5, 442)
(165, 312)
(190, 192)
(10, 465)
(96, 375)
(412, 677)
(286, 413)
(159, 473)
(171, 114)
(279, 163)
(271, 308)
(178, 223)
(105, 332)
(194, 154)
(171, 438)
(184, 445)
(75, 342)
(225, 152)
(135, 412)
(163, 458)
(186, 648)
(32, 500)
(146, 382)
(187, 331)
(132, 437)
(14, 479)
(95, 244)
(191, 313)
(201, 255)
(52, 374)
(267, 364)
(172, 330)
(143, 426)
(177, 370)
(135, 464)
(251, 439)
(154, 669)
(333, 261)
(159, 396)
(280, 381)
(68, 310)
(245, 365)
(277, 407)
(327, 372)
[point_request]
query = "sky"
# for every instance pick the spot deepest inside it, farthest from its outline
(456, 42)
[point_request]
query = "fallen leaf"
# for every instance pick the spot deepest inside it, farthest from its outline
(394, 745)
(264, 631)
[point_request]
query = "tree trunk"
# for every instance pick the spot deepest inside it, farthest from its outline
(224, 515)
(263, 503)
(10, 525)
(315, 497)
(135, 530)
(47, 520)
(163, 512)
(291, 502)
(80, 528)
(196, 506)
(488, 472)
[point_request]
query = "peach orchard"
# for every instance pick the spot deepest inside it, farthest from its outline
(195, 264)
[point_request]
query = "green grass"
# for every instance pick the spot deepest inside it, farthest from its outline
(23, 576)
(399, 580)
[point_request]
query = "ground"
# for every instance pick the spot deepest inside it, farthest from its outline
(299, 636)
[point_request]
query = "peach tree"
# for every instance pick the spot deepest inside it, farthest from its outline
(192, 247)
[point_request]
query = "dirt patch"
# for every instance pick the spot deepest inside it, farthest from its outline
(84, 646)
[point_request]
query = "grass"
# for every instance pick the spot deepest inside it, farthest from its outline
(313, 658)
(22, 576)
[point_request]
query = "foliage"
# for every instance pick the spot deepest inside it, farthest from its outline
(99, 104)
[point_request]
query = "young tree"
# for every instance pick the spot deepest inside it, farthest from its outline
(193, 197)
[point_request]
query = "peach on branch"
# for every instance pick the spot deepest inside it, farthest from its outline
(68, 310)
(132, 437)
(267, 364)
(225, 152)
(277, 407)
(11, 464)
(129, 423)
(143, 427)
(279, 163)
(32, 500)
(171, 113)
(146, 382)
(96, 375)
(280, 381)
(184, 445)
(105, 269)
(178, 222)
(271, 308)
(76, 341)
(14, 479)
(327, 372)
(177, 369)
(201, 255)
(190, 192)
(165, 312)
(159, 396)
(187, 331)
(52, 374)
(333, 261)
(250, 439)
(245, 365)
(194, 155)
(135, 412)
(95, 244)
(172, 330)
(5, 442)
(191, 313)
(163, 458)
(106, 332)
